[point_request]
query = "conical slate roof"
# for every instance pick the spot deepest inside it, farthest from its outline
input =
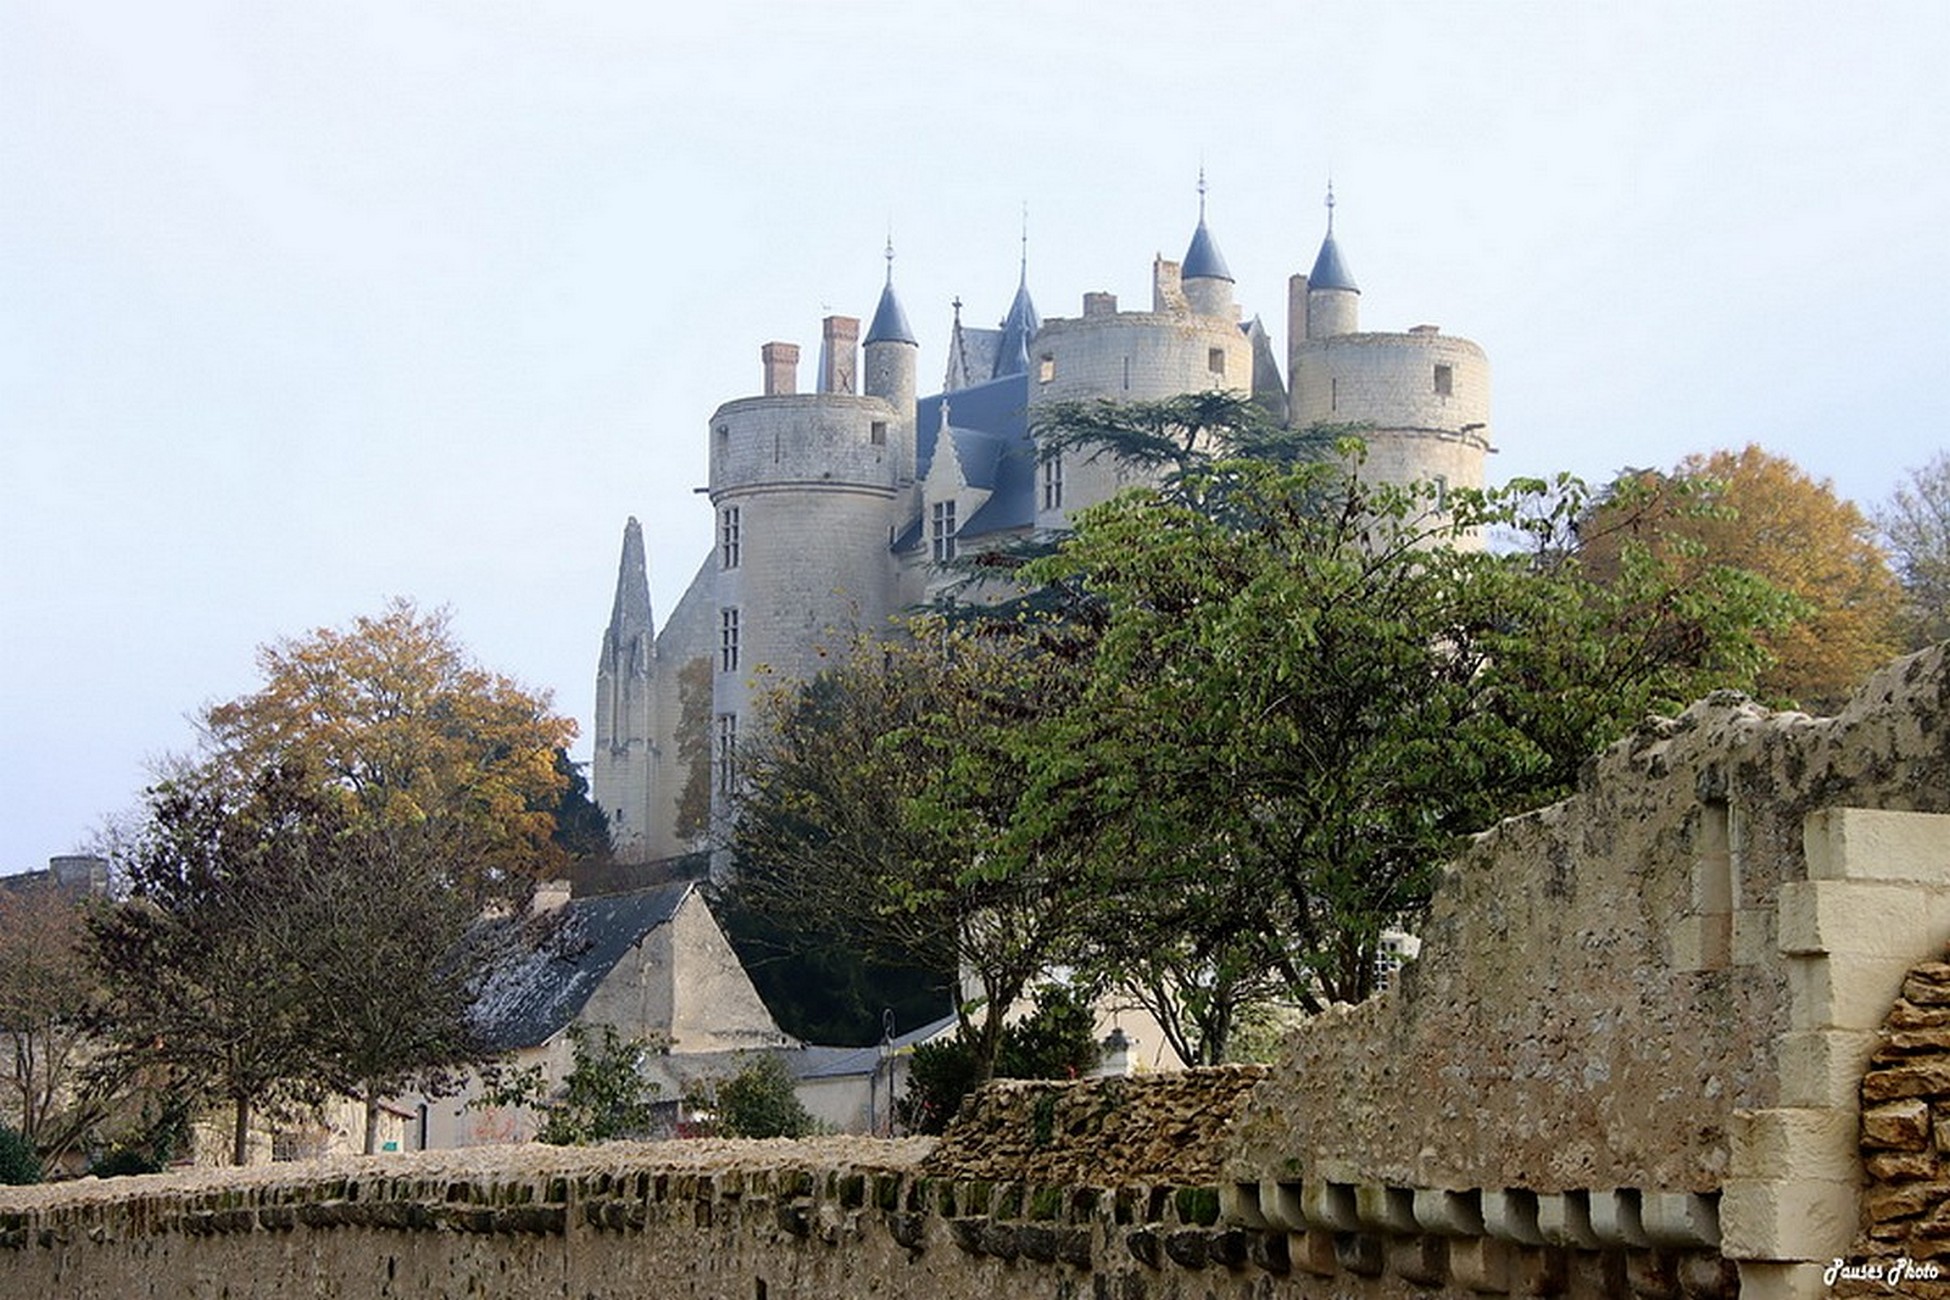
(1330, 272)
(889, 321)
(1203, 260)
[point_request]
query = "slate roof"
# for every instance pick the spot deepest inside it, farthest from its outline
(1330, 272)
(1203, 261)
(889, 321)
(989, 426)
(547, 966)
(845, 1062)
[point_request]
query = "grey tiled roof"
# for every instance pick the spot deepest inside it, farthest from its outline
(547, 966)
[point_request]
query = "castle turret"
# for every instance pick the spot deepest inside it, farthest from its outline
(892, 356)
(1422, 397)
(1333, 299)
(1204, 278)
(624, 770)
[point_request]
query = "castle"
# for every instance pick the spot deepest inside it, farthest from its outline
(837, 508)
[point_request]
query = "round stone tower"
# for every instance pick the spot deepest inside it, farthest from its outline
(805, 487)
(1189, 342)
(1424, 396)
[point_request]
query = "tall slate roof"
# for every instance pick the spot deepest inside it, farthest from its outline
(546, 967)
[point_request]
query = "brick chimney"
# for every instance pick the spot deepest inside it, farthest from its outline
(781, 368)
(839, 354)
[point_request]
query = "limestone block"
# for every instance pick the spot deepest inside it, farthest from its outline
(1564, 1219)
(1924, 1078)
(1681, 1219)
(1788, 1143)
(1421, 1260)
(1330, 1205)
(1901, 1166)
(1897, 1126)
(1702, 942)
(1871, 844)
(1850, 992)
(1823, 1067)
(1239, 1203)
(1279, 1204)
(1803, 1220)
(1512, 1216)
(1899, 921)
(1615, 1217)
(1385, 1209)
(1449, 1214)
(1755, 940)
(1771, 1280)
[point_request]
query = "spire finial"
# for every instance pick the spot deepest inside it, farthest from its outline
(1330, 205)
(890, 252)
(956, 304)
(1201, 190)
(1024, 276)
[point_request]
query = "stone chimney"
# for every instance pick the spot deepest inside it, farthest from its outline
(1100, 304)
(1167, 286)
(839, 339)
(781, 362)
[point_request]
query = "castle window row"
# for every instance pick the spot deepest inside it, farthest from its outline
(942, 531)
(728, 540)
(728, 639)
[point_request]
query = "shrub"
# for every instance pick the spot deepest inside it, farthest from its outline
(759, 1102)
(18, 1161)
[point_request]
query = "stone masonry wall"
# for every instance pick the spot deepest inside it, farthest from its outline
(1904, 1243)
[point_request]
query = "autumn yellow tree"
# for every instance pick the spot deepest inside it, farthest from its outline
(423, 743)
(1761, 512)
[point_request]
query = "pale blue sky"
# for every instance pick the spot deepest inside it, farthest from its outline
(302, 307)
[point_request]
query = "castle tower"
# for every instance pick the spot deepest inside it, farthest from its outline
(892, 358)
(623, 779)
(1189, 342)
(1204, 278)
(1424, 396)
(809, 484)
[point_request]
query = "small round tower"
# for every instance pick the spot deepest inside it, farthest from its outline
(1205, 278)
(892, 356)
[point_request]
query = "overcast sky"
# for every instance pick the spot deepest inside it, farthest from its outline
(306, 306)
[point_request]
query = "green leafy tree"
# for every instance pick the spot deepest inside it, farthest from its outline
(1304, 693)
(200, 963)
(1915, 525)
(581, 828)
(1056, 1040)
(759, 1102)
(869, 798)
(603, 1098)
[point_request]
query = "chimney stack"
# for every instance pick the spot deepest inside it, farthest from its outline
(838, 354)
(781, 368)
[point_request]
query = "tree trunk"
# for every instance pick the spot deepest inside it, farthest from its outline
(240, 1144)
(372, 1119)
